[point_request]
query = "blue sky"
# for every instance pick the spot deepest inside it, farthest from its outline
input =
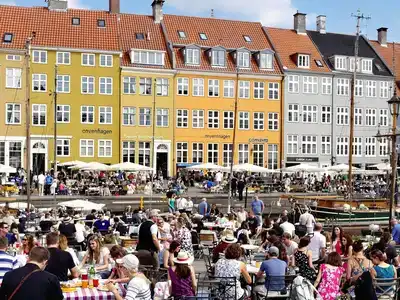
(270, 12)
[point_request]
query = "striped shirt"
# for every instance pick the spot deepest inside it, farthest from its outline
(7, 263)
(138, 289)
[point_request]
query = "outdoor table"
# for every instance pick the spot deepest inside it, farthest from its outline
(91, 294)
(252, 269)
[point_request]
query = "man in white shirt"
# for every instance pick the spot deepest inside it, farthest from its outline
(41, 179)
(181, 204)
(189, 206)
(318, 243)
(80, 234)
(287, 226)
(218, 177)
(289, 245)
(307, 220)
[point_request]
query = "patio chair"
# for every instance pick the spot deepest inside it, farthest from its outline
(387, 289)
(209, 265)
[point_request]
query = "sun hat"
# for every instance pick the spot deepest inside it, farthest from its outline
(183, 258)
(229, 239)
(67, 219)
(273, 250)
(130, 261)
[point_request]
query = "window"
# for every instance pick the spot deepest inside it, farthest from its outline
(341, 63)
(247, 38)
(370, 146)
(229, 88)
(212, 153)
(162, 86)
(303, 61)
(258, 90)
(244, 89)
(383, 147)
(144, 154)
(181, 152)
(129, 116)
(139, 36)
(273, 156)
(243, 153)
(13, 113)
(227, 154)
(309, 144)
(128, 152)
(87, 114)
(162, 117)
(370, 117)
(105, 115)
(218, 58)
(359, 86)
(383, 117)
(197, 152)
(309, 113)
(326, 85)
(258, 121)
(213, 119)
(101, 23)
(147, 57)
(76, 21)
(63, 147)
(358, 116)
(63, 58)
(88, 59)
(352, 64)
(14, 57)
(192, 56)
(244, 120)
(273, 91)
(342, 146)
(243, 59)
(273, 121)
(366, 66)
(357, 146)
(106, 60)
(106, 85)
(229, 119)
(39, 57)
(371, 88)
(292, 144)
(181, 34)
(258, 155)
(183, 86)
(266, 61)
(39, 112)
(144, 116)
(293, 113)
(63, 82)
(182, 118)
(198, 118)
(63, 113)
(203, 36)
(384, 89)
(293, 83)
(87, 85)
(213, 88)
(7, 38)
(325, 145)
(198, 87)
(39, 82)
(105, 148)
(87, 148)
(145, 86)
(342, 116)
(13, 80)
(129, 85)
(310, 85)
(342, 86)
(326, 114)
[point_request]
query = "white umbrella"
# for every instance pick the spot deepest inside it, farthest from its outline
(383, 166)
(17, 205)
(84, 204)
(71, 163)
(252, 168)
(341, 168)
(7, 169)
(303, 168)
(93, 166)
(206, 166)
(128, 166)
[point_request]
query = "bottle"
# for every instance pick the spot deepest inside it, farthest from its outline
(92, 274)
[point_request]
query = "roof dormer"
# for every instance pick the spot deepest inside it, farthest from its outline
(192, 54)
(302, 60)
(265, 59)
(217, 56)
(242, 57)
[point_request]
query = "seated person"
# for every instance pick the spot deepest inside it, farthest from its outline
(118, 273)
(46, 223)
(221, 247)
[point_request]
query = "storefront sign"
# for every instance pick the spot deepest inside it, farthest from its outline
(97, 131)
(217, 136)
(302, 159)
(253, 140)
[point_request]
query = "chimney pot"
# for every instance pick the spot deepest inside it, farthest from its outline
(157, 10)
(300, 23)
(321, 24)
(114, 6)
(382, 36)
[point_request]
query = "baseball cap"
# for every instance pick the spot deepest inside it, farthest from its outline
(130, 261)
(273, 250)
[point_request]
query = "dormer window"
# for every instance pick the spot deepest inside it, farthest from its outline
(266, 61)
(8, 37)
(303, 61)
(101, 23)
(341, 63)
(352, 59)
(192, 56)
(76, 21)
(366, 65)
(203, 36)
(139, 36)
(247, 38)
(182, 34)
(243, 59)
(147, 57)
(218, 58)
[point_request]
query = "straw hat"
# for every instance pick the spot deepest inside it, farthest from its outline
(183, 258)
(229, 239)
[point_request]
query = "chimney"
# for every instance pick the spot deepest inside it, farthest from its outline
(157, 10)
(300, 23)
(60, 5)
(114, 6)
(321, 24)
(382, 36)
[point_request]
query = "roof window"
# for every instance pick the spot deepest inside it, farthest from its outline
(7, 37)
(203, 36)
(101, 23)
(139, 36)
(319, 63)
(182, 34)
(247, 38)
(76, 21)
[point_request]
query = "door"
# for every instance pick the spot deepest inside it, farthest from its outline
(162, 164)
(38, 163)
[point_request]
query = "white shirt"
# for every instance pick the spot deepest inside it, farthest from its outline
(241, 216)
(73, 254)
(218, 177)
(307, 219)
(80, 232)
(181, 203)
(189, 205)
(318, 242)
(288, 227)
(291, 249)
(41, 179)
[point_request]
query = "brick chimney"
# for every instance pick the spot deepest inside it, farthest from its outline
(321, 24)
(382, 36)
(114, 6)
(157, 10)
(300, 23)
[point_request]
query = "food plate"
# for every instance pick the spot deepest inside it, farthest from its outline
(103, 288)
(68, 289)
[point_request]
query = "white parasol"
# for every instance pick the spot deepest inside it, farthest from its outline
(95, 166)
(206, 166)
(252, 168)
(341, 168)
(128, 166)
(303, 168)
(71, 163)
(17, 205)
(84, 204)
(383, 166)
(7, 169)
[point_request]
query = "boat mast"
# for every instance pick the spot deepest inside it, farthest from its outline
(55, 129)
(28, 119)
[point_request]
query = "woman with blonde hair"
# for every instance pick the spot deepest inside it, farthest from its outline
(63, 245)
(97, 255)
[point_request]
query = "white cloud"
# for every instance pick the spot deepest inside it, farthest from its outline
(76, 4)
(7, 2)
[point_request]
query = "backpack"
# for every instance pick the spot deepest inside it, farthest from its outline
(302, 289)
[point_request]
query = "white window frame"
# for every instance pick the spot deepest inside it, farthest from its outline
(198, 87)
(370, 147)
(182, 118)
(63, 58)
(309, 114)
(87, 144)
(13, 78)
(244, 89)
(14, 57)
(273, 121)
(213, 88)
(88, 110)
(162, 117)
(38, 79)
(182, 152)
(358, 116)
(342, 146)
(229, 88)
(182, 86)
(359, 88)
(64, 145)
(293, 112)
(258, 121)
(226, 154)
(218, 58)
(326, 85)
(342, 116)
(90, 82)
(357, 147)
(326, 114)
(213, 119)
(88, 59)
(326, 144)
(243, 150)
(39, 56)
(266, 61)
(145, 116)
(65, 113)
(370, 117)
(309, 144)
(104, 146)
(273, 156)
(63, 84)
(229, 119)
(258, 90)
(15, 113)
(292, 144)
(342, 86)
(370, 86)
(384, 89)
(384, 117)
(129, 84)
(144, 152)
(197, 118)
(129, 116)
(192, 56)
(213, 153)
(310, 85)
(273, 91)
(303, 61)
(105, 60)
(197, 152)
(258, 155)
(107, 84)
(147, 57)
(341, 63)
(244, 120)
(37, 109)
(145, 86)
(243, 59)
(105, 113)
(162, 86)
(366, 65)
(294, 84)
(383, 147)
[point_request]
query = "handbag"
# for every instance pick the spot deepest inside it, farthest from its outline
(21, 283)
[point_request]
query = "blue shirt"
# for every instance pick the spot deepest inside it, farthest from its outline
(257, 206)
(203, 208)
(11, 238)
(102, 225)
(396, 233)
(7, 263)
(274, 267)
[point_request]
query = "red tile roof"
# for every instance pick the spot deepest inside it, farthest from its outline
(287, 43)
(55, 29)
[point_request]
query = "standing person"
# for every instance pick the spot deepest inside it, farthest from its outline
(337, 237)
(90, 218)
(287, 226)
(181, 204)
(396, 231)
(7, 262)
(240, 187)
(241, 215)
(182, 276)
(148, 237)
(308, 220)
(41, 181)
(171, 201)
(303, 260)
(30, 281)
(189, 206)
(218, 177)
(203, 207)
(80, 234)
(257, 207)
(48, 183)
(183, 236)
(317, 244)
(233, 186)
